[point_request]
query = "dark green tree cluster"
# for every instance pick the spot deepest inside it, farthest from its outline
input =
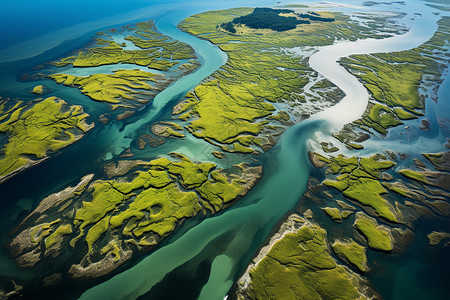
(228, 27)
(268, 18)
(313, 13)
(315, 17)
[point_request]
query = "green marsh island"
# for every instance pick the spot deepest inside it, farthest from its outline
(156, 142)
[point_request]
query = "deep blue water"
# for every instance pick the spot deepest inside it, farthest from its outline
(22, 20)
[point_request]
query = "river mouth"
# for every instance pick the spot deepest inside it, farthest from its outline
(286, 165)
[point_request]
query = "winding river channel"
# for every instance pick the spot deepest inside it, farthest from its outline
(228, 240)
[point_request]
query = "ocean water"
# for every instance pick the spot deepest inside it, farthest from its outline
(204, 259)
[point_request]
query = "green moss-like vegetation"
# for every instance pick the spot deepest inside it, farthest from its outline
(41, 231)
(344, 205)
(394, 85)
(395, 188)
(394, 78)
(281, 116)
(65, 61)
(413, 175)
(221, 114)
(141, 207)
(339, 185)
(159, 51)
(441, 161)
(359, 180)
(165, 206)
(38, 90)
(346, 213)
(57, 235)
(96, 232)
(429, 178)
(220, 191)
(380, 118)
(329, 147)
(98, 56)
(404, 115)
(355, 146)
(128, 89)
(368, 192)
(333, 213)
(218, 154)
(190, 175)
(168, 129)
(148, 38)
(378, 237)
(121, 86)
(299, 266)
(113, 248)
(336, 214)
(232, 108)
(353, 253)
(34, 130)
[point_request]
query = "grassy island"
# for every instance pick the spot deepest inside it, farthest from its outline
(128, 89)
(156, 51)
(168, 129)
(394, 78)
(143, 203)
(125, 87)
(38, 90)
(358, 178)
(300, 266)
(441, 161)
(418, 176)
(34, 131)
(378, 237)
(428, 177)
(258, 73)
(352, 252)
(336, 214)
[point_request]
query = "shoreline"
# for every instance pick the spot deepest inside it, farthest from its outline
(286, 225)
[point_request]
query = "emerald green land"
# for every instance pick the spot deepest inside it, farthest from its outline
(119, 87)
(393, 79)
(35, 130)
(353, 253)
(300, 266)
(128, 89)
(235, 109)
(107, 220)
(359, 180)
(157, 52)
(378, 237)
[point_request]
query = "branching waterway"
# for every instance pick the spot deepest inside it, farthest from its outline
(228, 240)
(211, 58)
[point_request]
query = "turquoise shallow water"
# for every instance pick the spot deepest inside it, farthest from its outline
(218, 249)
(250, 221)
